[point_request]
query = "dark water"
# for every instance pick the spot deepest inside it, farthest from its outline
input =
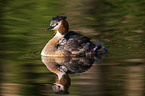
(119, 24)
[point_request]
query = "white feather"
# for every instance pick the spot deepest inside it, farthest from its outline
(57, 27)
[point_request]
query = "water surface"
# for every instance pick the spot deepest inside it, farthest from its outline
(118, 24)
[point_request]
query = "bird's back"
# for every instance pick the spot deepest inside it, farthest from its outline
(75, 44)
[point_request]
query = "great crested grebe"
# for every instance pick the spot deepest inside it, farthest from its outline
(69, 43)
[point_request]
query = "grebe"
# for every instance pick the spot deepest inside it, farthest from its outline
(69, 43)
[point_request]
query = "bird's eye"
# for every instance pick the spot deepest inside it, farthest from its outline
(56, 24)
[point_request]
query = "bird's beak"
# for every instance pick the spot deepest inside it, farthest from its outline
(49, 28)
(50, 84)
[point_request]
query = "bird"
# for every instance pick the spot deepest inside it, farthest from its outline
(69, 43)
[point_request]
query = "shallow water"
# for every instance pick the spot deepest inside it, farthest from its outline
(118, 24)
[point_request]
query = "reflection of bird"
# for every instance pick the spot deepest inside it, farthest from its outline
(69, 43)
(76, 64)
(61, 86)
(62, 81)
(62, 66)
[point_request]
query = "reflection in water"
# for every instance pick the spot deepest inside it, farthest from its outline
(119, 24)
(62, 66)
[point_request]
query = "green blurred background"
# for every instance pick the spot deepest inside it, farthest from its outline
(119, 24)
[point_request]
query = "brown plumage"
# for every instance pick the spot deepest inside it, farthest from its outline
(69, 43)
(64, 27)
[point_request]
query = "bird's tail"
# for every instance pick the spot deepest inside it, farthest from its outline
(99, 49)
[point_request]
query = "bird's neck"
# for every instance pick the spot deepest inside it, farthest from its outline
(50, 47)
(57, 36)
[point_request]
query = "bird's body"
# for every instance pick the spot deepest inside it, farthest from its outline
(68, 43)
(75, 44)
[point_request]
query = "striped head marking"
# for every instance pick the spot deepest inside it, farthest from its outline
(55, 23)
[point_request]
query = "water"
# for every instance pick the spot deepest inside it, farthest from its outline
(118, 24)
